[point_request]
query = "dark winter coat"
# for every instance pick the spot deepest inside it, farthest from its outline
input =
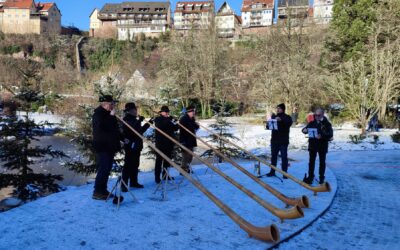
(324, 128)
(106, 132)
(169, 127)
(281, 136)
(185, 137)
(135, 142)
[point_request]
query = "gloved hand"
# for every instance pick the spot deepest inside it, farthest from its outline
(141, 118)
(151, 121)
(112, 112)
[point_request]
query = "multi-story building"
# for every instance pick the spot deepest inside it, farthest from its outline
(193, 15)
(25, 17)
(257, 14)
(227, 23)
(323, 11)
(128, 19)
(295, 10)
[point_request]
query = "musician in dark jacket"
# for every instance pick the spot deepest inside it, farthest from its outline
(133, 146)
(106, 142)
(168, 125)
(280, 138)
(318, 144)
(185, 138)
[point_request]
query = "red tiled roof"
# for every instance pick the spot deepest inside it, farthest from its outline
(18, 4)
(44, 6)
(246, 6)
(193, 3)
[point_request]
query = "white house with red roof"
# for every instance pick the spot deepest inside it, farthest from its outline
(257, 13)
(27, 17)
(193, 15)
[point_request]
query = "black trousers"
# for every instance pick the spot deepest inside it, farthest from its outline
(186, 159)
(161, 162)
(104, 162)
(131, 166)
(275, 149)
(322, 164)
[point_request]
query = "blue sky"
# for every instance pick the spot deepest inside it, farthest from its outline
(76, 12)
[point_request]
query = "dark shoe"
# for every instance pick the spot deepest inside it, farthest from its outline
(136, 185)
(321, 179)
(308, 180)
(158, 180)
(124, 189)
(284, 177)
(115, 200)
(102, 195)
(270, 174)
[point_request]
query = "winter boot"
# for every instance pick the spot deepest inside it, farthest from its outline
(271, 174)
(321, 179)
(308, 180)
(115, 200)
(124, 189)
(136, 185)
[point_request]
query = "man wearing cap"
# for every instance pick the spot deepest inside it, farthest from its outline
(188, 121)
(133, 146)
(106, 142)
(318, 144)
(168, 125)
(280, 138)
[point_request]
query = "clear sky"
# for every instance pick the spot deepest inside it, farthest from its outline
(76, 12)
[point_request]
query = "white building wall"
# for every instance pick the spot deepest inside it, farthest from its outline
(323, 10)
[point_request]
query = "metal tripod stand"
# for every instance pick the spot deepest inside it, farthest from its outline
(162, 186)
(117, 189)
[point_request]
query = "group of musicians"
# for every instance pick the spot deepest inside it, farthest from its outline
(107, 138)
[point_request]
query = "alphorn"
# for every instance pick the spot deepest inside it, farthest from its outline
(268, 233)
(301, 202)
(321, 188)
(292, 213)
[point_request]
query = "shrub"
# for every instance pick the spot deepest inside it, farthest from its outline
(11, 49)
(396, 137)
(357, 139)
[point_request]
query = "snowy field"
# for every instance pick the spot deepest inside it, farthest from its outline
(362, 216)
(186, 220)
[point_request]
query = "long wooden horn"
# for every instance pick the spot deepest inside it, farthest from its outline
(292, 213)
(301, 202)
(325, 187)
(268, 233)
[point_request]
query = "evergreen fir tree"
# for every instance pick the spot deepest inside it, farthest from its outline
(16, 136)
(350, 29)
(222, 128)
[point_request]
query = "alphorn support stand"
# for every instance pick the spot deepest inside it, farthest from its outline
(163, 185)
(117, 189)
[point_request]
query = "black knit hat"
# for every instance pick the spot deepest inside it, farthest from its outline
(164, 109)
(282, 106)
(129, 106)
(106, 98)
(190, 109)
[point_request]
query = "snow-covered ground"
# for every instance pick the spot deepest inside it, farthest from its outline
(362, 215)
(186, 220)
